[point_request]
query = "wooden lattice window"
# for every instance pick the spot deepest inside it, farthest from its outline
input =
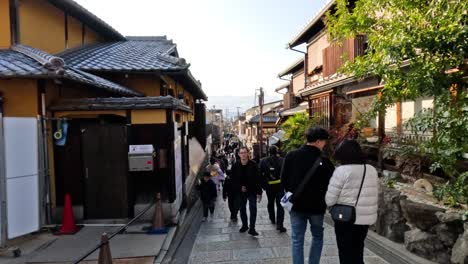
(320, 106)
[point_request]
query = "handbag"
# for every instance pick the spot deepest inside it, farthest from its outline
(343, 213)
(288, 198)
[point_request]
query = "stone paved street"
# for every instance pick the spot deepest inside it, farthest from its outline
(219, 241)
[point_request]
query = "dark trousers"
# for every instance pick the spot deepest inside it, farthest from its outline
(208, 205)
(275, 197)
(252, 198)
(350, 240)
(233, 203)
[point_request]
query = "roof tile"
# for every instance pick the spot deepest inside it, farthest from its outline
(130, 55)
(15, 63)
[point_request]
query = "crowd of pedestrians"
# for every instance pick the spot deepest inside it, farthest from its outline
(308, 180)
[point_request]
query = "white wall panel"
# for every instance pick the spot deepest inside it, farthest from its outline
(21, 166)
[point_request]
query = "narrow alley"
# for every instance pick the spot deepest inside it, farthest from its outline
(219, 241)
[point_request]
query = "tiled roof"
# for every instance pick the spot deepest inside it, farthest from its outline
(26, 62)
(121, 103)
(266, 119)
(137, 54)
(13, 63)
(325, 84)
(301, 108)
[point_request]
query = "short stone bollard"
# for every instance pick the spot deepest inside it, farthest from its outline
(157, 226)
(105, 256)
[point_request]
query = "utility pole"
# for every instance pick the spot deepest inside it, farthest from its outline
(260, 103)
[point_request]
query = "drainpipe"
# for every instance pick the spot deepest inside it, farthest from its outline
(305, 63)
(47, 180)
(3, 216)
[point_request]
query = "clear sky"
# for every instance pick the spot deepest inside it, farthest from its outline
(233, 46)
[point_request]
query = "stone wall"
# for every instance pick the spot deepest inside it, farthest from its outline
(430, 231)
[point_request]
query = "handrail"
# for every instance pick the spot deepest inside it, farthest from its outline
(114, 234)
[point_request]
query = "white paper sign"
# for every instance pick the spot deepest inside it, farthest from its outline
(135, 149)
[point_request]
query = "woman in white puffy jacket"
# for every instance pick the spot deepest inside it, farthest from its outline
(343, 189)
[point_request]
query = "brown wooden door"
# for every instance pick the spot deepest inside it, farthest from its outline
(104, 149)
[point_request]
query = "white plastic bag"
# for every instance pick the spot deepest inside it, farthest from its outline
(286, 201)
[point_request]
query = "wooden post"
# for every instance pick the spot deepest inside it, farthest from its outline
(260, 103)
(398, 116)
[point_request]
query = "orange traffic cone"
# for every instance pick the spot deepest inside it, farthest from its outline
(68, 219)
(105, 256)
(157, 226)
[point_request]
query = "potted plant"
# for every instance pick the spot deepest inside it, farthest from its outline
(362, 124)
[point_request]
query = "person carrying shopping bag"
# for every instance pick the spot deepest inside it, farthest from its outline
(306, 174)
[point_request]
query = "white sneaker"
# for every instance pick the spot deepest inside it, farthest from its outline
(203, 219)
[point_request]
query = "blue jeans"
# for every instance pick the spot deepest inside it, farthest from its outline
(252, 198)
(298, 226)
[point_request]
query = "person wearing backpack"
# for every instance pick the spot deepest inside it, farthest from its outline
(270, 169)
(305, 171)
(208, 195)
(354, 184)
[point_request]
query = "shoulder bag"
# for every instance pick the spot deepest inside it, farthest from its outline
(288, 198)
(343, 213)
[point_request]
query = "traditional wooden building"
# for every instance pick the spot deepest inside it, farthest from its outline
(75, 94)
(252, 125)
(338, 98)
(296, 83)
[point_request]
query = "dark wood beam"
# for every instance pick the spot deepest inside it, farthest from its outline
(66, 30)
(14, 22)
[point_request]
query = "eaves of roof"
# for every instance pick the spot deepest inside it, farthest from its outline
(189, 82)
(266, 119)
(301, 108)
(120, 103)
(82, 14)
(313, 27)
(328, 83)
(283, 86)
(296, 66)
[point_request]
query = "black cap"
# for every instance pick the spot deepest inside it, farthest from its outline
(316, 133)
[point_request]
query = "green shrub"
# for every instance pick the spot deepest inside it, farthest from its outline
(295, 128)
(453, 193)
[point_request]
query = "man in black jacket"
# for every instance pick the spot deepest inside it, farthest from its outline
(246, 182)
(270, 169)
(310, 204)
